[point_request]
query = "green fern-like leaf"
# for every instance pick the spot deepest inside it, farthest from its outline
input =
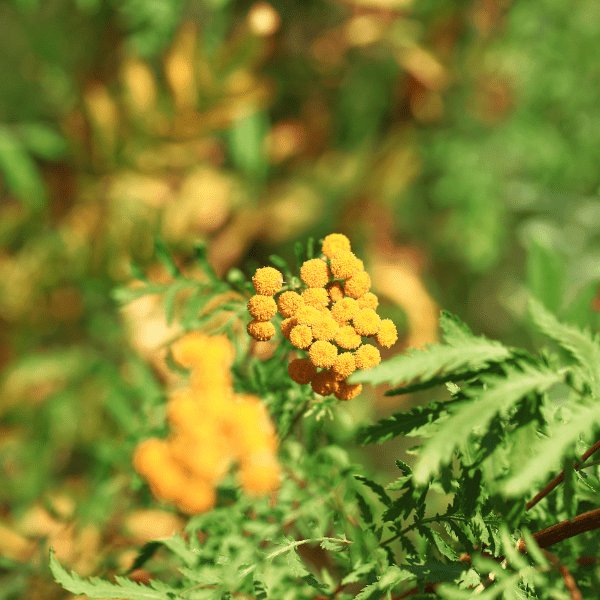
(463, 355)
(99, 588)
(580, 344)
(403, 423)
(501, 394)
(547, 453)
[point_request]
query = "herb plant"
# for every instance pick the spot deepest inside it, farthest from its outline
(507, 448)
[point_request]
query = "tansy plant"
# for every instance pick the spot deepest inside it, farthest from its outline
(329, 310)
(498, 500)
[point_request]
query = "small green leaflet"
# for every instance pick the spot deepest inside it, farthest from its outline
(378, 489)
(403, 423)
(547, 453)
(437, 363)
(580, 344)
(500, 395)
(99, 588)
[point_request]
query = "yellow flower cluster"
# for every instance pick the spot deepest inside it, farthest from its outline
(333, 313)
(212, 428)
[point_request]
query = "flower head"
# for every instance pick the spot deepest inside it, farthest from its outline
(197, 496)
(325, 329)
(368, 300)
(308, 315)
(301, 336)
(287, 325)
(347, 338)
(343, 366)
(324, 383)
(344, 310)
(260, 474)
(288, 303)
(347, 391)
(366, 322)
(194, 350)
(367, 356)
(262, 308)
(343, 264)
(387, 333)
(335, 290)
(267, 281)
(315, 297)
(314, 273)
(322, 354)
(302, 371)
(357, 285)
(335, 242)
(261, 331)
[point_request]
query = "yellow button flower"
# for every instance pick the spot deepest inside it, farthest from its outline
(198, 350)
(324, 383)
(196, 497)
(262, 331)
(344, 310)
(205, 457)
(148, 454)
(262, 308)
(288, 303)
(325, 329)
(267, 281)
(343, 366)
(343, 264)
(287, 325)
(368, 300)
(367, 356)
(357, 285)
(347, 391)
(315, 273)
(347, 338)
(183, 409)
(322, 354)
(387, 333)
(308, 315)
(260, 474)
(301, 336)
(302, 371)
(315, 297)
(335, 242)
(335, 290)
(366, 322)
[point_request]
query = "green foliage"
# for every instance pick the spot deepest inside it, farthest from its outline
(516, 419)
(461, 357)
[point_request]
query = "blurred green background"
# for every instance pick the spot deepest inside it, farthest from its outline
(456, 144)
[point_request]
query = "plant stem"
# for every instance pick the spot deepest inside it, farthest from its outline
(560, 477)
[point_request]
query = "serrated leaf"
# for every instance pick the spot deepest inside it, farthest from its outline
(500, 395)
(443, 547)
(580, 344)
(454, 331)
(403, 423)
(466, 353)
(548, 452)
(332, 546)
(295, 564)
(260, 589)
(377, 488)
(100, 588)
(406, 470)
(365, 510)
(357, 574)
(178, 546)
